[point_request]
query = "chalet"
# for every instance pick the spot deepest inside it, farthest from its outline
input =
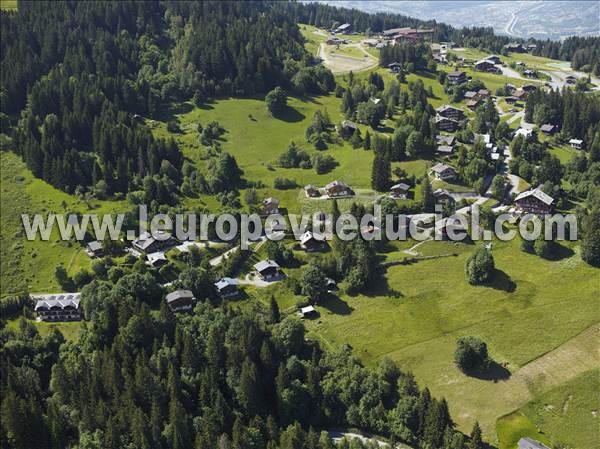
(309, 243)
(443, 172)
(270, 206)
(444, 149)
(520, 94)
(311, 191)
(494, 58)
(370, 42)
(156, 260)
(331, 285)
(576, 143)
(399, 190)
(526, 133)
(520, 63)
(570, 79)
(448, 111)
(473, 104)
(59, 307)
(445, 140)
(345, 28)
(180, 300)
(267, 270)
(148, 243)
(470, 95)
(456, 77)
(395, 67)
(334, 40)
(347, 128)
(515, 48)
(227, 287)
(534, 201)
(548, 129)
(308, 312)
(446, 124)
(442, 196)
(449, 226)
(530, 73)
(338, 188)
(511, 99)
(529, 443)
(531, 47)
(529, 87)
(94, 249)
(482, 94)
(484, 65)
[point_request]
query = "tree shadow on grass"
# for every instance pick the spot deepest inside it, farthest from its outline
(494, 372)
(336, 305)
(502, 281)
(290, 115)
(560, 252)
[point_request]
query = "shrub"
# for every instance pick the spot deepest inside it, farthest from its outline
(471, 354)
(479, 266)
(284, 183)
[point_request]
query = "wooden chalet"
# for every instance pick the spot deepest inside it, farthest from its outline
(534, 201)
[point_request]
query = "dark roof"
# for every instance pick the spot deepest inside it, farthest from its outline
(265, 264)
(179, 294)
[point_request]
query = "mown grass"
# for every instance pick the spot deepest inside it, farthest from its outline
(567, 415)
(69, 329)
(10, 5)
(416, 312)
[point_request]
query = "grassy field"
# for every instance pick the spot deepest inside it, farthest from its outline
(8, 4)
(567, 415)
(29, 265)
(70, 330)
(416, 312)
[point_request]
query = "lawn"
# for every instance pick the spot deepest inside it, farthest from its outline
(8, 4)
(416, 312)
(29, 265)
(69, 329)
(567, 415)
(256, 139)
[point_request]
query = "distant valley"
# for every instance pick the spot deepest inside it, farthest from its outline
(536, 19)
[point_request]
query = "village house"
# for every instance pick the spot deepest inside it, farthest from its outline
(484, 65)
(570, 79)
(534, 201)
(511, 99)
(338, 188)
(443, 172)
(456, 77)
(525, 132)
(446, 124)
(334, 40)
(148, 243)
(576, 143)
(470, 95)
(156, 260)
(180, 300)
(515, 48)
(530, 73)
(395, 67)
(399, 191)
(548, 128)
(227, 287)
(310, 243)
(529, 87)
(94, 249)
(267, 270)
(443, 196)
(311, 191)
(494, 58)
(307, 312)
(448, 111)
(270, 206)
(344, 28)
(346, 128)
(520, 94)
(482, 94)
(444, 149)
(529, 443)
(473, 104)
(370, 42)
(59, 307)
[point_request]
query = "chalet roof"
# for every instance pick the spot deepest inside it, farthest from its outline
(94, 245)
(179, 294)
(393, 31)
(155, 257)
(225, 282)
(438, 193)
(343, 26)
(306, 310)
(146, 239)
(59, 300)
(440, 168)
(547, 128)
(307, 236)
(447, 107)
(400, 186)
(529, 443)
(470, 94)
(349, 124)
(445, 140)
(576, 141)
(444, 149)
(309, 187)
(265, 264)
(271, 201)
(394, 64)
(456, 74)
(537, 193)
(472, 103)
(335, 183)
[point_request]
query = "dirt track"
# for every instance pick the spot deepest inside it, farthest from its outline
(344, 64)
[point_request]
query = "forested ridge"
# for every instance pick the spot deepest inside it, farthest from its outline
(82, 74)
